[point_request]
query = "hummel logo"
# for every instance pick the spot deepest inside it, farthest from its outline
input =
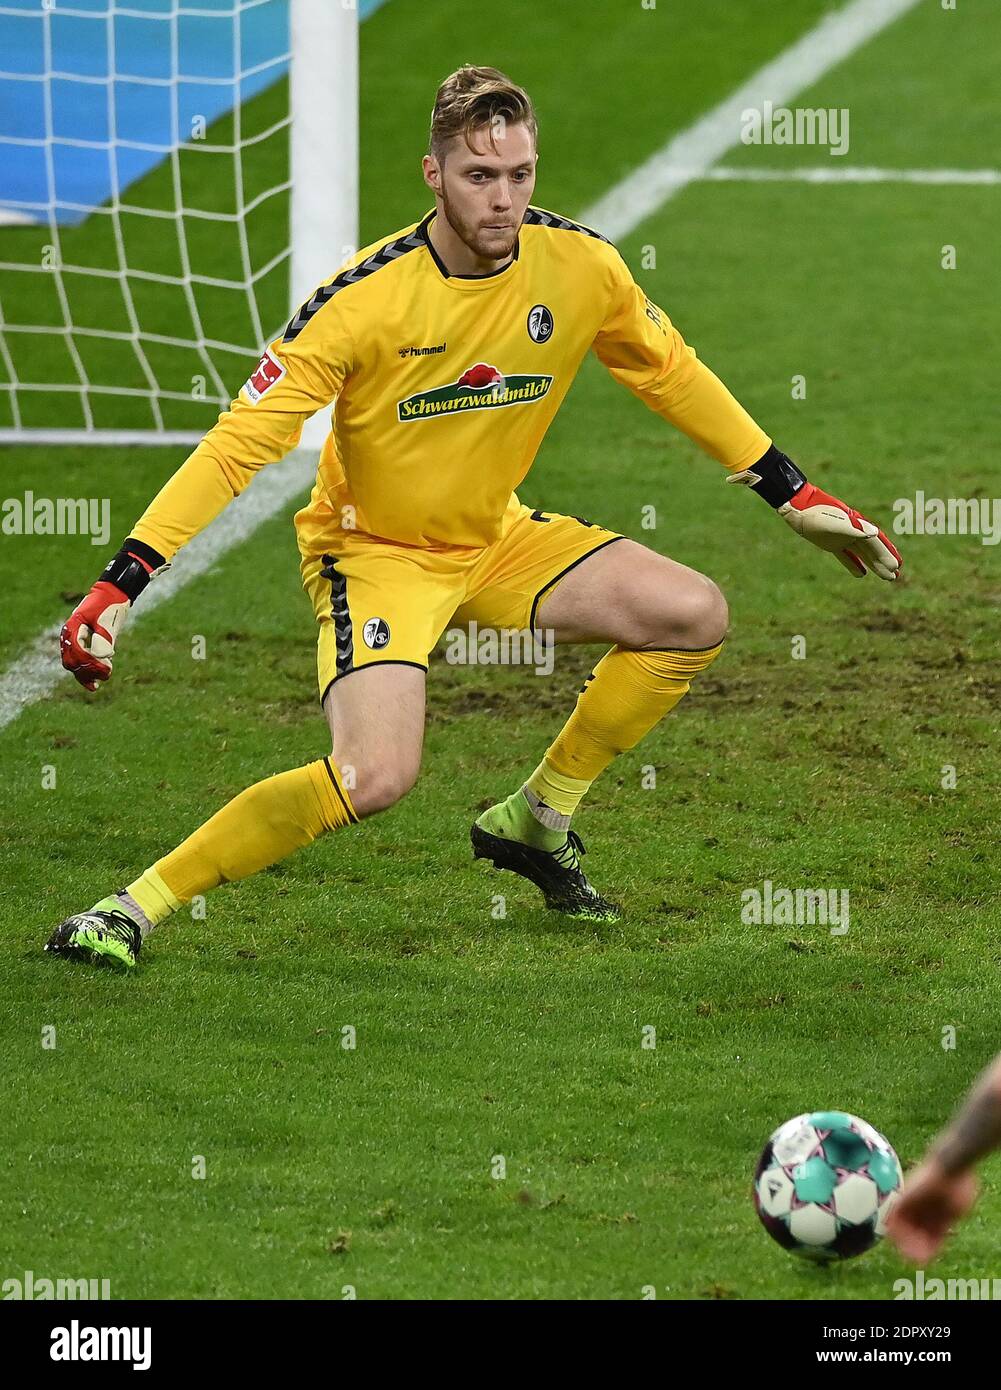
(422, 351)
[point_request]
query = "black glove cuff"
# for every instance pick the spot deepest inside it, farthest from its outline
(126, 571)
(778, 478)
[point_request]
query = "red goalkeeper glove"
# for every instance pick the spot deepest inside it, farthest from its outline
(818, 517)
(87, 640)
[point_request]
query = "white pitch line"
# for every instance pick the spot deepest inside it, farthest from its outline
(38, 671)
(685, 158)
(838, 174)
(689, 155)
(10, 217)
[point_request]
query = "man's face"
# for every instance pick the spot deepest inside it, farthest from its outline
(485, 188)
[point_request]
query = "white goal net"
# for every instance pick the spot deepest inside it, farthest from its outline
(174, 179)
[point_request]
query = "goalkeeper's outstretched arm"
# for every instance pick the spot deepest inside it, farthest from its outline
(645, 352)
(297, 375)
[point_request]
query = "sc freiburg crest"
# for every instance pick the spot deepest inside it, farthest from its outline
(375, 633)
(540, 324)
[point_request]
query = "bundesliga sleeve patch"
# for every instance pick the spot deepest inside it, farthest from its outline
(267, 372)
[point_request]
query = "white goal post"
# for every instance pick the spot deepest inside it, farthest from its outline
(145, 259)
(324, 151)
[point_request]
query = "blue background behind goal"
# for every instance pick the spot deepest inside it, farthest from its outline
(123, 82)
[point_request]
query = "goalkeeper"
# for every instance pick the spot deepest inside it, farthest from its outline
(447, 348)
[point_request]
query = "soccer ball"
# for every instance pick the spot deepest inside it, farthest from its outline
(824, 1185)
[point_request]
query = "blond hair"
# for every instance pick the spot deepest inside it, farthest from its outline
(472, 99)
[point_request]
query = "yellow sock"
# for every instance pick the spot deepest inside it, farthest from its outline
(627, 693)
(260, 826)
(153, 896)
(563, 794)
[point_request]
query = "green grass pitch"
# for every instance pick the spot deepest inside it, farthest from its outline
(370, 1168)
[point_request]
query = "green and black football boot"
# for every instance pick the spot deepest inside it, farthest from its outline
(104, 935)
(556, 872)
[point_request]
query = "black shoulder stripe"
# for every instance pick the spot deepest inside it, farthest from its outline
(385, 255)
(538, 217)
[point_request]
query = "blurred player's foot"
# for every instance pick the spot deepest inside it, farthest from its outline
(510, 837)
(106, 934)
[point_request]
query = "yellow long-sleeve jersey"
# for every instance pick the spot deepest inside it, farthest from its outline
(444, 386)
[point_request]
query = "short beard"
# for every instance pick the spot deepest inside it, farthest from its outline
(470, 236)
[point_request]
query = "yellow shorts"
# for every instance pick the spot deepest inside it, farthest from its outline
(376, 601)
